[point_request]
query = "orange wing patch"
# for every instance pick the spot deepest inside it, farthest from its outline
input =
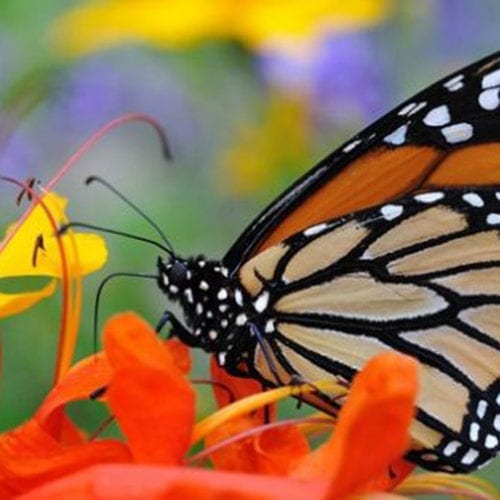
(477, 165)
(374, 178)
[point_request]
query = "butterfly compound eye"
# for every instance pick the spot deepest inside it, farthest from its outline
(178, 273)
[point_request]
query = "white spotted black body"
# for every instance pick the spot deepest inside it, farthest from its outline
(217, 311)
(392, 242)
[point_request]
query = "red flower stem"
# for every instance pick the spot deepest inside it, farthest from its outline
(82, 150)
(64, 263)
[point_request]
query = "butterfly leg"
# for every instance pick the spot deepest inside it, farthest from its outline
(254, 329)
(177, 329)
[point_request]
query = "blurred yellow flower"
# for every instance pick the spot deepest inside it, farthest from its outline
(33, 251)
(278, 145)
(177, 23)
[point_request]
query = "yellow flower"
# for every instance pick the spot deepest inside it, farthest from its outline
(261, 158)
(32, 249)
(177, 23)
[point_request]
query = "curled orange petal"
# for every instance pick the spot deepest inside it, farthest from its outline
(237, 388)
(78, 384)
(373, 427)
(30, 456)
(273, 451)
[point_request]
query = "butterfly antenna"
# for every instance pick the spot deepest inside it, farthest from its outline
(133, 206)
(63, 229)
(100, 289)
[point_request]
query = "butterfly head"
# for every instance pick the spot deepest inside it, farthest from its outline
(202, 288)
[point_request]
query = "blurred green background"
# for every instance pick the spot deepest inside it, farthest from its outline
(248, 101)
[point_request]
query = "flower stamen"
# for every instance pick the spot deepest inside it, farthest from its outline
(257, 401)
(440, 483)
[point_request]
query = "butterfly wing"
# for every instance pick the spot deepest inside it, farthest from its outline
(446, 135)
(420, 275)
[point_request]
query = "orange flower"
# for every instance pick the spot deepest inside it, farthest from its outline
(153, 402)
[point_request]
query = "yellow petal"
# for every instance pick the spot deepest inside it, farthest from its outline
(19, 257)
(174, 23)
(275, 22)
(13, 303)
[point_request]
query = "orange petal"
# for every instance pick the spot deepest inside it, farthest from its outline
(181, 354)
(400, 469)
(136, 482)
(29, 456)
(155, 410)
(129, 341)
(372, 431)
(85, 377)
(273, 451)
(150, 397)
(237, 388)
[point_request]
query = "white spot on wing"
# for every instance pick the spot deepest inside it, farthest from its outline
(429, 197)
(491, 79)
(455, 83)
(406, 109)
(311, 231)
(212, 334)
(351, 145)
(204, 285)
(270, 326)
(459, 132)
(473, 199)
(390, 212)
(470, 457)
(493, 219)
(438, 116)
(262, 300)
(474, 431)
(491, 441)
(397, 137)
(451, 448)
(222, 294)
(482, 406)
(417, 108)
(496, 422)
(489, 99)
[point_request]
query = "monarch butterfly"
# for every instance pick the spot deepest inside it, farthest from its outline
(391, 242)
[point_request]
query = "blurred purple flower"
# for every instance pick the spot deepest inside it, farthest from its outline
(88, 95)
(344, 75)
(351, 79)
(463, 28)
(108, 85)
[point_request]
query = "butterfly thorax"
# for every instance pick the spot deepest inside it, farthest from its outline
(213, 306)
